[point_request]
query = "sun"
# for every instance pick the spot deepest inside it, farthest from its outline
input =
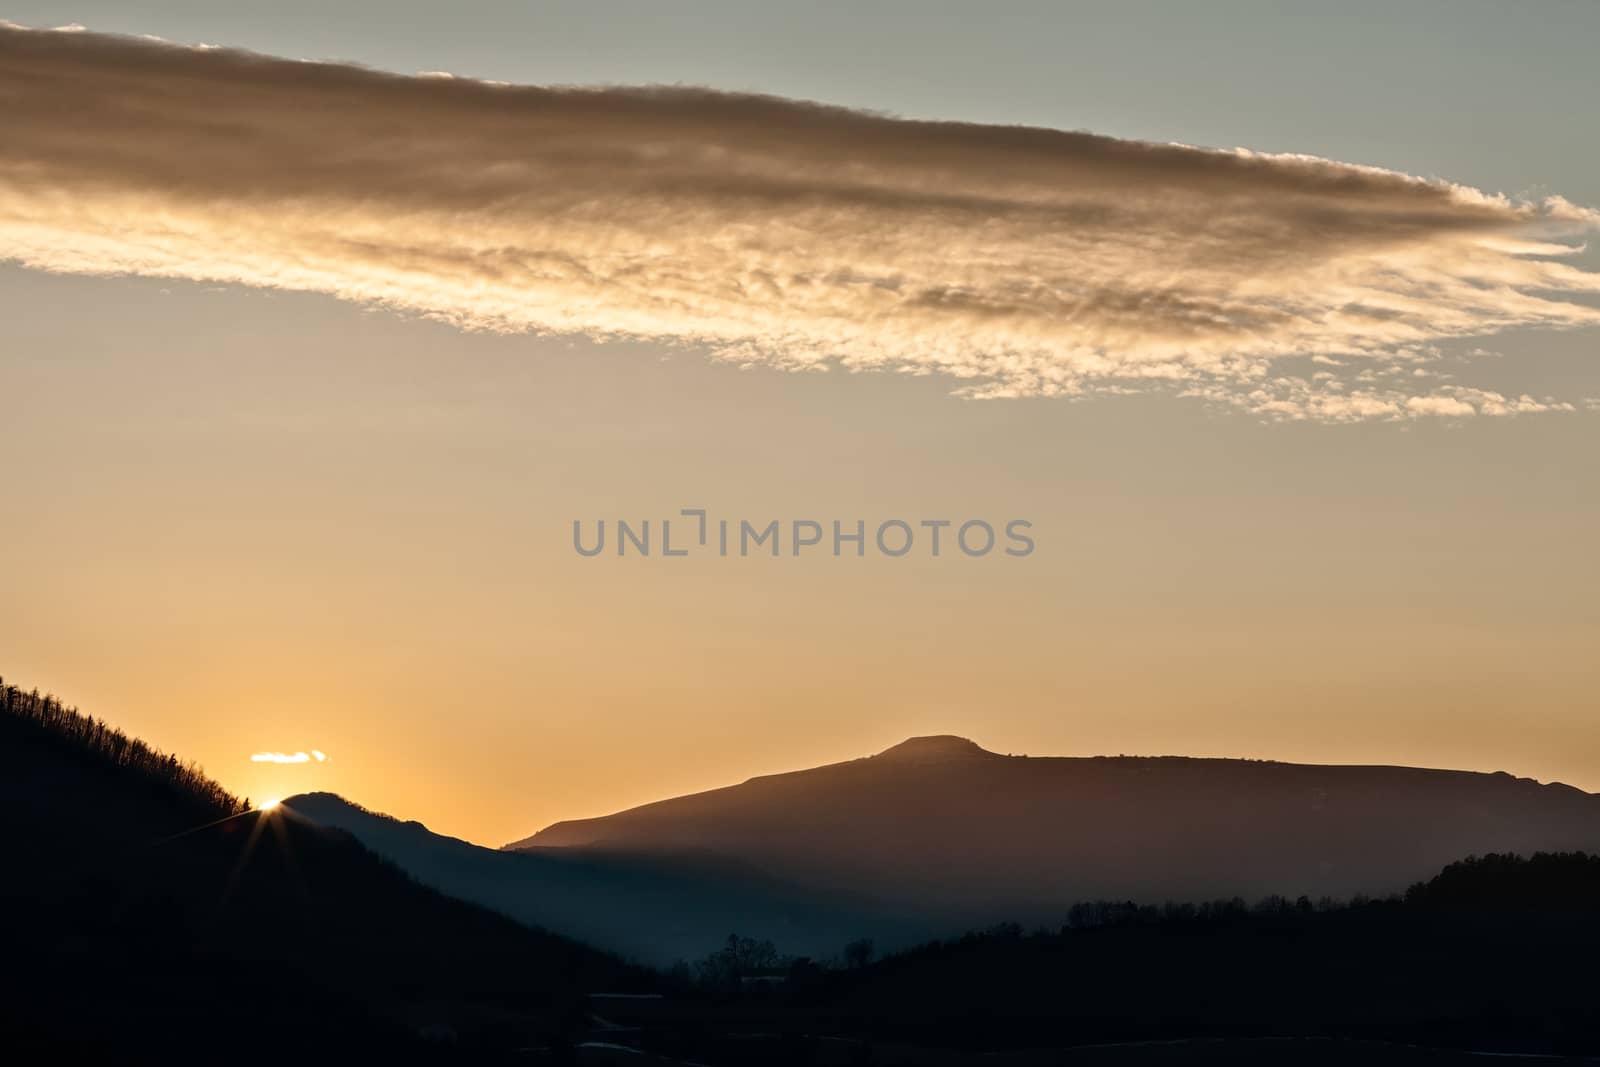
(268, 805)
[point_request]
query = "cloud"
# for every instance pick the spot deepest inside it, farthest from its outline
(289, 757)
(1020, 261)
(1292, 398)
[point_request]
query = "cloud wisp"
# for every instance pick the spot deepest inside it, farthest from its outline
(1021, 261)
(289, 757)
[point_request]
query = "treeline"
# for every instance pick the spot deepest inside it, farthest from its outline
(739, 959)
(1493, 954)
(1092, 914)
(1550, 883)
(1553, 883)
(110, 747)
(743, 960)
(1545, 883)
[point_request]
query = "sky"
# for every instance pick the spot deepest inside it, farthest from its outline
(251, 519)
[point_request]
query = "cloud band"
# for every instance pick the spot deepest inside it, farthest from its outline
(1022, 261)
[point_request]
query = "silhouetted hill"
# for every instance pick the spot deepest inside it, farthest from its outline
(1563, 884)
(960, 834)
(653, 907)
(147, 917)
(1492, 957)
(1493, 953)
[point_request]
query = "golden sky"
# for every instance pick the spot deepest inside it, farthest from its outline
(245, 519)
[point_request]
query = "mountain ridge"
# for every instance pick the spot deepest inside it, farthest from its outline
(975, 835)
(652, 905)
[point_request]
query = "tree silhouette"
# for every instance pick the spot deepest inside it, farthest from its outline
(858, 954)
(110, 747)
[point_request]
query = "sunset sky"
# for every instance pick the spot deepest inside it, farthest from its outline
(293, 441)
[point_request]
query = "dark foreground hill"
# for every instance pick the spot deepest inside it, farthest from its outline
(656, 908)
(1490, 961)
(949, 830)
(146, 917)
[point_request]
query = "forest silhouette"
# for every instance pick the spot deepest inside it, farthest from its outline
(150, 916)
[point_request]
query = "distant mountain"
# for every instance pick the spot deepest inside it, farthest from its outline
(954, 833)
(651, 906)
(147, 916)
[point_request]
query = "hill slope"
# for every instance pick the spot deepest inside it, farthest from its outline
(1491, 958)
(656, 908)
(1493, 954)
(147, 917)
(966, 834)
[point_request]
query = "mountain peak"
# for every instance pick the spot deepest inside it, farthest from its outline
(940, 748)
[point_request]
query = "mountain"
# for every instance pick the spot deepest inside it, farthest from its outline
(958, 834)
(646, 905)
(147, 916)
